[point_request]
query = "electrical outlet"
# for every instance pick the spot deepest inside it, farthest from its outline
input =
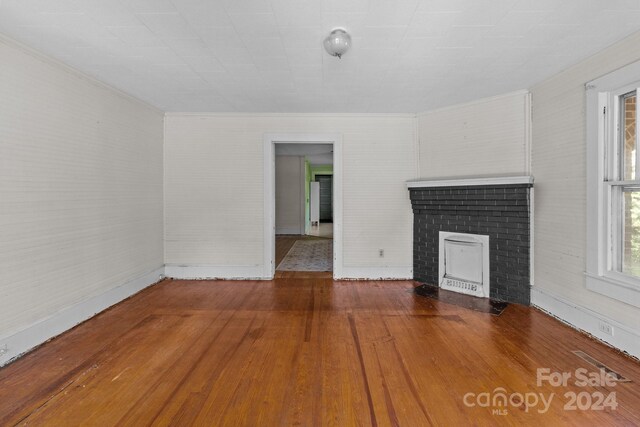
(381, 253)
(605, 328)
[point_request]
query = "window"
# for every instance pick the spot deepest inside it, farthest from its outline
(624, 181)
(613, 185)
(628, 259)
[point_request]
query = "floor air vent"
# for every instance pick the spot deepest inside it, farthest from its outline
(614, 375)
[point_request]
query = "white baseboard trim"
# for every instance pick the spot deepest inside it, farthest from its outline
(49, 327)
(624, 338)
(228, 272)
(377, 273)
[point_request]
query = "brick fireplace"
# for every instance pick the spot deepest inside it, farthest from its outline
(498, 207)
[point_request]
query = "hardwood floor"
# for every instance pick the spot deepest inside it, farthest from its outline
(304, 352)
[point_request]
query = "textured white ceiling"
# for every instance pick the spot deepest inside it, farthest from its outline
(267, 55)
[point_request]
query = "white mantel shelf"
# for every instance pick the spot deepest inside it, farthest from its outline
(465, 182)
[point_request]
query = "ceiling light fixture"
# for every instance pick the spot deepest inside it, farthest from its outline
(337, 42)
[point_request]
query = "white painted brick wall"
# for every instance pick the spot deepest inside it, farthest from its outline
(80, 188)
(558, 164)
(214, 186)
(484, 137)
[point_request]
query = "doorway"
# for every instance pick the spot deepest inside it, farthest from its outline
(274, 145)
(304, 213)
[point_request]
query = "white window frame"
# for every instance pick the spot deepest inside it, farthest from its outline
(602, 179)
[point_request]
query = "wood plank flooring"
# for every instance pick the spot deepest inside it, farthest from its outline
(304, 352)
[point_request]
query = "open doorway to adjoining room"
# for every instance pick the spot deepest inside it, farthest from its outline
(302, 205)
(303, 208)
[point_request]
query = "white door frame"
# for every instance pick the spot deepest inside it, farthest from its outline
(270, 141)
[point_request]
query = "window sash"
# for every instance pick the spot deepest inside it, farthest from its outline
(615, 184)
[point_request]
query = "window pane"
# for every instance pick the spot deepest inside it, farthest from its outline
(631, 227)
(628, 135)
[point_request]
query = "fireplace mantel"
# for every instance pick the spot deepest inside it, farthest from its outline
(470, 181)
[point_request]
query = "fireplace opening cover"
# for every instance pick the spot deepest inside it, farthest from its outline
(464, 263)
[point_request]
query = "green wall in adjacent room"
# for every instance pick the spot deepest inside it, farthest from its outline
(321, 170)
